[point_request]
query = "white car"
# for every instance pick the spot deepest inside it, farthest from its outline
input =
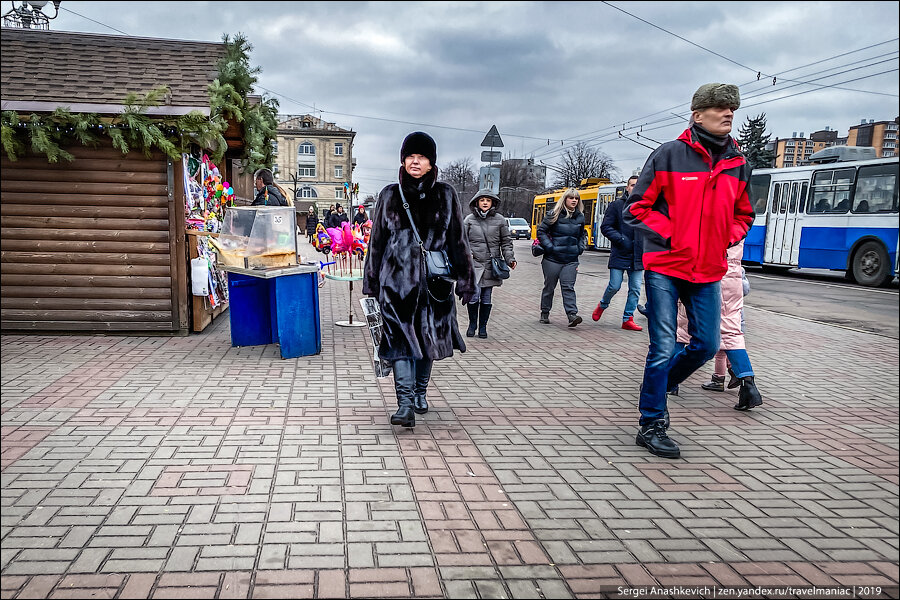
(519, 228)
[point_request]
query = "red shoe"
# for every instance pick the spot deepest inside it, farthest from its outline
(598, 312)
(631, 325)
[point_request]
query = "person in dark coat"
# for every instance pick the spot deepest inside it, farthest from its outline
(564, 239)
(267, 194)
(360, 217)
(626, 256)
(312, 220)
(419, 322)
(336, 217)
(489, 237)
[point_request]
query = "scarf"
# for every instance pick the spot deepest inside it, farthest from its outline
(716, 145)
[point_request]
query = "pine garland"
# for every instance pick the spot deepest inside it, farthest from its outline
(134, 129)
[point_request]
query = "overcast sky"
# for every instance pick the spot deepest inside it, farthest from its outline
(539, 71)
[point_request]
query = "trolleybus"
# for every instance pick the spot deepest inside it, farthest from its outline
(588, 190)
(839, 216)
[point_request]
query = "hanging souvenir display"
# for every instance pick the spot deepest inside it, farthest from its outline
(206, 195)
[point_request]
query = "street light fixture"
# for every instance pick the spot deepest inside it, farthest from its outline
(29, 15)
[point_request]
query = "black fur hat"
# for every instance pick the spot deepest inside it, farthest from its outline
(419, 142)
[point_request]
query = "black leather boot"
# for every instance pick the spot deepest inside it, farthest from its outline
(654, 438)
(734, 381)
(748, 396)
(473, 319)
(405, 387)
(483, 317)
(423, 376)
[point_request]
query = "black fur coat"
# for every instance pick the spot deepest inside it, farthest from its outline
(415, 325)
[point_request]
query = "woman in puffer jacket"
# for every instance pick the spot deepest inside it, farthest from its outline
(489, 237)
(563, 238)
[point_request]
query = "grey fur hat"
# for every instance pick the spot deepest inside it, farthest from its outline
(485, 193)
(711, 95)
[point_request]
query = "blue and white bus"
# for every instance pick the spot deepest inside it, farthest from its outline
(839, 216)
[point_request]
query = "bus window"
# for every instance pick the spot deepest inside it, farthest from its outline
(785, 194)
(759, 192)
(803, 189)
(831, 191)
(775, 197)
(876, 189)
(795, 191)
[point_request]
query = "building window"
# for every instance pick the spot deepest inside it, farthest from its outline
(339, 149)
(308, 192)
(306, 149)
(306, 170)
(339, 193)
(338, 170)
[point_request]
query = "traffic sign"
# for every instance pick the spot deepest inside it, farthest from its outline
(490, 157)
(492, 139)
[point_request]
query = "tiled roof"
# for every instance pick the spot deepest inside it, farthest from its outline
(81, 68)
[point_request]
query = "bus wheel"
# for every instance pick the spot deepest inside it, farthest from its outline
(870, 265)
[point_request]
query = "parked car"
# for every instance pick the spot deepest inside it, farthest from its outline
(519, 228)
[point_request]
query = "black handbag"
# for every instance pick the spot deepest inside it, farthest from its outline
(436, 263)
(500, 268)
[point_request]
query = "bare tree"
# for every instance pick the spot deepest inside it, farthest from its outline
(581, 161)
(518, 185)
(462, 176)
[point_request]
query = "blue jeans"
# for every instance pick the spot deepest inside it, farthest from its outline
(635, 280)
(740, 362)
(666, 368)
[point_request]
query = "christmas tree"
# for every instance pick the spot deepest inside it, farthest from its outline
(753, 139)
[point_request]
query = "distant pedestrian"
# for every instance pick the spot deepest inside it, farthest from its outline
(337, 217)
(690, 204)
(733, 349)
(563, 238)
(489, 238)
(360, 217)
(625, 256)
(267, 192)
(312, 220)
(419, 325)
(325, 214)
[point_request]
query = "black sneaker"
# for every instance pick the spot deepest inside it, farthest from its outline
(654, 438)
(749, 396)
(574, 320)
(545, 318)
(642, 308)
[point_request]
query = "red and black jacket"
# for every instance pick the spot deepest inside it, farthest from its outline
(689, 211)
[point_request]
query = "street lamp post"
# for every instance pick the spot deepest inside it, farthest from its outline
(29, 15)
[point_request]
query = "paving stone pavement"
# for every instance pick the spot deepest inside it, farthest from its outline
(155, 467)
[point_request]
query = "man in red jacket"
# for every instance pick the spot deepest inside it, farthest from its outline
(690, 203)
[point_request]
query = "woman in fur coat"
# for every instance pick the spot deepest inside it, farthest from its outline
(419, 326)
(489, 238)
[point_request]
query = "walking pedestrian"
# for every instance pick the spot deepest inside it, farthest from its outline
(419, 325)
(690, 203)
(336, 217)
(563, 238)
(360, 217)
(733, 349)
(312, 220)
(626, 256)
(489, 238)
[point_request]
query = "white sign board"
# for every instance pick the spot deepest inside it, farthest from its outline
(489, 179)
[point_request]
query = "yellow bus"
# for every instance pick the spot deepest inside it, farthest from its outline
(588, 189)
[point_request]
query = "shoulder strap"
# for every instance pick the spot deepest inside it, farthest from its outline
(486, 242)
(411, 222)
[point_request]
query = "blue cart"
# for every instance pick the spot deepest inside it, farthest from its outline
(275, 306)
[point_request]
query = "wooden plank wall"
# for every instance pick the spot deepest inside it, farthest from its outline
(88, 245)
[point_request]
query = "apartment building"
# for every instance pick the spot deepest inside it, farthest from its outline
(881, 135)
(314, 158)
